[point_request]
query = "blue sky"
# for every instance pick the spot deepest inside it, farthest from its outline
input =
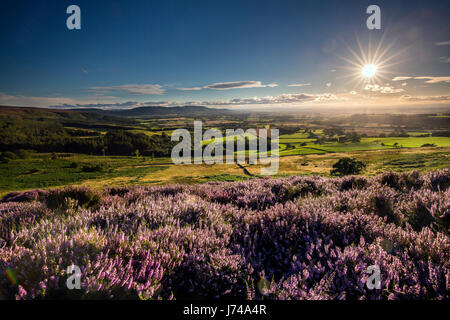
(222, 53)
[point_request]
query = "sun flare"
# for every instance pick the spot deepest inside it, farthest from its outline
(368, 64)
(369, 70)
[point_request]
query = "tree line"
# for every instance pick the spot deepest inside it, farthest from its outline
(53, 137)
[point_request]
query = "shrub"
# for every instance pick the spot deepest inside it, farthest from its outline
(383, 207)
(9, 155)
(23, 154)
(346, 166)
(404, 180)
(4, 159)
(353, 182)
(439, 180)
(93, 168)
(421, 216)
(390, 179)
(85, 197)
(74, 165)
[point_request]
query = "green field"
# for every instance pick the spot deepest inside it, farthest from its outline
(41, 171)
(315, 143)
(290, 144)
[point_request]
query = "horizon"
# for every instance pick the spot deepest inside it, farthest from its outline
(266, 56)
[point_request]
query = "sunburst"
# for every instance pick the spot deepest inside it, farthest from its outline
(366, 65)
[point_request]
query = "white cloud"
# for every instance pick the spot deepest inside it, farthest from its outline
(431, 79)
(238, 85)
(329, 84)
(299, 84)
(443, 43)
(190, 89)
(382, 89)
(231, 85)
(401, 78)
(131, 88)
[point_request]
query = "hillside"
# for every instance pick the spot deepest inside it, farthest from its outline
(98, 114)
(292, 238)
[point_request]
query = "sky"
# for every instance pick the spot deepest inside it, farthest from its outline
(234, 54)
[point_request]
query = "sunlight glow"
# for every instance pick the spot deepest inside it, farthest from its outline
(369, 70)
(369, 64)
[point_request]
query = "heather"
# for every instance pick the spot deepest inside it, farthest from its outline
(292, 238)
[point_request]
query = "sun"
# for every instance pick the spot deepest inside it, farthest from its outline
(371, 64)
(369, 70)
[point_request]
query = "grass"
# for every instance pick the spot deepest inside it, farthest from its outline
(291, 144)
(43, 172)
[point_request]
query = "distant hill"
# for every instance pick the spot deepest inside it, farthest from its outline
(100, 114)
(61, 115)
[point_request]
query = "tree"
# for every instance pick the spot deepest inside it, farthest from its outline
(346, 166)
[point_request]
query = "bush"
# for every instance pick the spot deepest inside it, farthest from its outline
(3, 159)
(421, 216)
(353, 183)
(74, 165)
(85, 197)
(383, 207)
(23, 154)
(390, 179)
(93, 168)
(439, 180)
(346, 166)
(9, 155)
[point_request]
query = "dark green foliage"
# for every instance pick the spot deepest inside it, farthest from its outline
(391, 179)
(353, 183)
(126, 143)
(85, 197)
(384, 207)
(9, 155)
(50, 135)
(346, 166)
(74, 165)
(301, 190)
(403, 180)
(23, 154)
(93, 168)
(441, 134)
(420, 217)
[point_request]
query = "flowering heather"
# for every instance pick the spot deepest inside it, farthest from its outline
(291, 238)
